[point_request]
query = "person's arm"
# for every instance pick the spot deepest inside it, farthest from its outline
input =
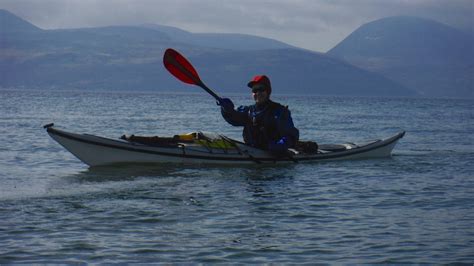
(288, 131)
(234, 117)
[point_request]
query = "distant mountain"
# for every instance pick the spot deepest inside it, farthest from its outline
(219, 40)
(130, 58)
(293, 71)
(11, 23)
(427, 56)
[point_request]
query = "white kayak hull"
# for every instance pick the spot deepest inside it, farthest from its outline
(98, 151)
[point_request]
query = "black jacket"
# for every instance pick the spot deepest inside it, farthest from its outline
(264, 125)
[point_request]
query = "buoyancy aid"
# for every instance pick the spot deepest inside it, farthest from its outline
(263, 125)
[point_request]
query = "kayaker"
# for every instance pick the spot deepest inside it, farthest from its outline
(267, 125)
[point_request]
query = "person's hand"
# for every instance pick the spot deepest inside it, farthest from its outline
(226, 104)
(278, 147)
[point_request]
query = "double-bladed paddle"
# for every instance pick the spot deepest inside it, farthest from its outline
(182, 69)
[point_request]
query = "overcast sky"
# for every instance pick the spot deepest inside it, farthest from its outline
(312, 24)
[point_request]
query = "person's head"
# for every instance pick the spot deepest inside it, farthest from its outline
(261, 88)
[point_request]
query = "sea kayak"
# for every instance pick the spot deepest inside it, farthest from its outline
(204, 148)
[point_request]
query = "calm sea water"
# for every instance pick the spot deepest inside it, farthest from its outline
(417, 207)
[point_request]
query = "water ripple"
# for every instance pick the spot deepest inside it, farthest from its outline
(416, 207)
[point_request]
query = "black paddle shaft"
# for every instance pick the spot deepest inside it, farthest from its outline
(212, 93)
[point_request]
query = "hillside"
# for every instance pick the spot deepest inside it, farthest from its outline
(130, 58)
(219, 40)
(11, 23)
(427, 56)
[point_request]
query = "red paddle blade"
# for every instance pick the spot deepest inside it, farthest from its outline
(180, 67)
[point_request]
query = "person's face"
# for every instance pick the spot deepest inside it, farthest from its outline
(259, 93)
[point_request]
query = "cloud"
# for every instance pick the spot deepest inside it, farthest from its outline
(312, 24)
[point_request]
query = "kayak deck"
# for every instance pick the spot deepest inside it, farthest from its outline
(203, 148)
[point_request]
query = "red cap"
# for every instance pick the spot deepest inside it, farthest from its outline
(261, 79)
